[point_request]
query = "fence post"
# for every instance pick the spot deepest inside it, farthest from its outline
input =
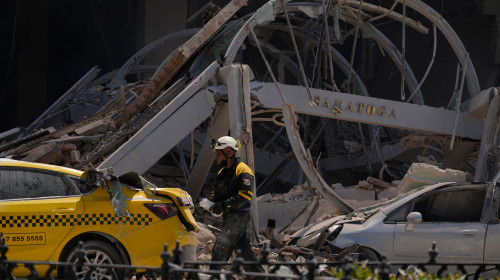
(34, 273)
(433, 252)
(177, 253)
(384, 269)
(3, 250)
(347, 268)
(165, 256)
(312, 265)
(236, 268)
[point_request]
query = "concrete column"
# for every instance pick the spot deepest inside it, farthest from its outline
(206, 156)
(489, 139)
(237, 78)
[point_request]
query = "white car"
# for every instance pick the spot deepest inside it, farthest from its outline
(462, 218)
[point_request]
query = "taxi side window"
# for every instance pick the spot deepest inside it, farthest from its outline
(23, 183)
(81, 185)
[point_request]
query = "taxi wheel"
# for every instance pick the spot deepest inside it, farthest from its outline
(97, 252)
(367, 254)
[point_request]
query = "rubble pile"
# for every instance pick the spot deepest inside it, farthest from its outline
(304, 200)
(280, 215)
(421, 174)
(206, 240)
(81, 135)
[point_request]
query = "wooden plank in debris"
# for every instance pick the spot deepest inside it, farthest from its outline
(91, 138)
(72, 156)
(16, 148)
(26, 138)
(66, 147)
(378, 183)
(180, 56)
(46, 153)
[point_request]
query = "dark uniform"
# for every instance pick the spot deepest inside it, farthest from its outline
(233, 188)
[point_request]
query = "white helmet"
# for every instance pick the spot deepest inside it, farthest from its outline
(225, 141)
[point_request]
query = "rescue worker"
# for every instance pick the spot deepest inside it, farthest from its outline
(231, 196)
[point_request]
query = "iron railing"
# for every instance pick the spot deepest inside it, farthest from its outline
(173, 268)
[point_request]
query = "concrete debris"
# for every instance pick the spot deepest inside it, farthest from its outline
(378, 183)
(276, 240)
(422, 174)
(265, 198)
(204, 235)
(98, 127)
(85, 137)
(206, 240)
(283, 208)
(365, 185)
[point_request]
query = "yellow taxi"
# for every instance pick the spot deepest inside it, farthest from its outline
(45, 210)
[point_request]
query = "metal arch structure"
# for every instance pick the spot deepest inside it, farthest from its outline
(203, 100)
(261, 20)
(450, 35)
(119, 77)
(199, 99)
(267, 14)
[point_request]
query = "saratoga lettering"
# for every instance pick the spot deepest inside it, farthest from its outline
(360, 108)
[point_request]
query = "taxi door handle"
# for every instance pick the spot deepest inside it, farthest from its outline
(469, 231)
(62, 210)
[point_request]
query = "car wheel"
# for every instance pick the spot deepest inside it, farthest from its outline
(97, 252)
(367, 254)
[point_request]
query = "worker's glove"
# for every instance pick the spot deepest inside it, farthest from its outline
(218, 208)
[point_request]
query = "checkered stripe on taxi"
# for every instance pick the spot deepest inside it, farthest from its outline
(71, 220)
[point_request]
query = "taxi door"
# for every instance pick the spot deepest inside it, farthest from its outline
(38, 208)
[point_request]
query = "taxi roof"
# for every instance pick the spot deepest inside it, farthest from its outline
(20, 163)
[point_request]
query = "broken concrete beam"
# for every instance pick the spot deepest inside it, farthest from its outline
(97, 127)
(422, 174)
(378, 183)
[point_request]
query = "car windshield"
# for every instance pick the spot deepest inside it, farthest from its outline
(378, 206)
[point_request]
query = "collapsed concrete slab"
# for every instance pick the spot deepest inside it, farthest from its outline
(422, 174)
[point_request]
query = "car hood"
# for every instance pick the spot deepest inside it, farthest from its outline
(353, 217)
